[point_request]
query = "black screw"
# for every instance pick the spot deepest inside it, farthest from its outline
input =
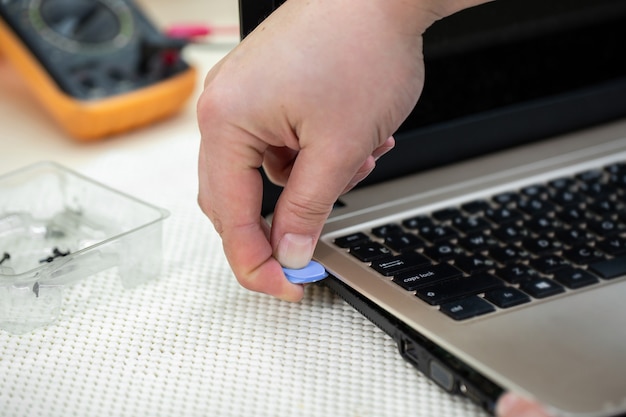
(56, 253)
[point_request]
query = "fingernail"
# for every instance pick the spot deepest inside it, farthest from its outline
(294, 251)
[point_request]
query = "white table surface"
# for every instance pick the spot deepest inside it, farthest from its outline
(193, 342)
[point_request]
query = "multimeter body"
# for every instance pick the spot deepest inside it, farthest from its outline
(99, 67)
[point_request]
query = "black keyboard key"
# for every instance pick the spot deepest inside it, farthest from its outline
(609, 269)
(458, 288)
(565, 183)
(616, 168)
(604, 207)
(418, 222)
(506, 199)
(618, 179)
(503, 215)
(516, 273)
(443, 251)
(476, 206)
(470, 224)
(575, 278)
(446, 214)
(566, 198)
(478, 242)
(573, 236)
(400, 263)
(508, 254)
(506, 297)
(590, 176)
(437, 233)
(614, 245)
(573, 215)
(404, 242)
(351, 240)
(427, 275)
(474, 263)
(535, 191)
(387, 230)
(606, 226)
(542, 245)
(541, 287)
(370, 251)
(542, 224)
(467, 308)
(583, 254)
(535, 206)
(548, 264)
(510, 233)
(598, 190)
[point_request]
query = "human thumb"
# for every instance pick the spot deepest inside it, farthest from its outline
(314, 185)
(295, 250)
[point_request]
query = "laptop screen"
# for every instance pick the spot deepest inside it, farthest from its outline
(503, 74)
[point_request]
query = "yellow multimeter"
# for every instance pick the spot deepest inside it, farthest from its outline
(98, 66)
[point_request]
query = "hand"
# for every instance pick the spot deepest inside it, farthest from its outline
(314, 95)
(511, 405)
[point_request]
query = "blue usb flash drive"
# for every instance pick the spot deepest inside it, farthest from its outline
(313, 272)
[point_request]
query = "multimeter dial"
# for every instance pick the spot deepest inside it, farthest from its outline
(83, 26)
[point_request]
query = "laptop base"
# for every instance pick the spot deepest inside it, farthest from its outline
(447, 371)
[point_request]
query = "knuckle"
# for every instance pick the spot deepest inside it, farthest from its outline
(214, 102)
(208, 104)
(306, 209)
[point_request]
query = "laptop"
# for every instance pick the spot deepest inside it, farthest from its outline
(490, 244)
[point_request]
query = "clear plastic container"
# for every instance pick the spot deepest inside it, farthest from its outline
(58, 227)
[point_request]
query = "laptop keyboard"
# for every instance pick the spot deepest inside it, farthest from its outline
(493, 254)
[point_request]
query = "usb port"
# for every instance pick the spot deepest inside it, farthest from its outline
(409, 351)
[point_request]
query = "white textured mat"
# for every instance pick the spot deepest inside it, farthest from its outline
(194, 343)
